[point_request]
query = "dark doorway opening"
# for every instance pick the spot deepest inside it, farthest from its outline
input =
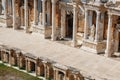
(69, 26)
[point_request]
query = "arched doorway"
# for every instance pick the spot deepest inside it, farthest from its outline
(61, 75)
(42, 69)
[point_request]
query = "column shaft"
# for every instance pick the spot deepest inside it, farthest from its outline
(10, 6)
(54, 74)
(4, 7)
(35, 12)
(86, 25)
(63, 20)
(74, 26)
(108, 46)
(26, 15)
(97, 35)
(14, 14)
(45, 71)
(44, 14)
(53, 20)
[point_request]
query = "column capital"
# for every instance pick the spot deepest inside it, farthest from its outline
(86, 10)
(98, 12)
(54, 1)
(44, 0)
(110, 15)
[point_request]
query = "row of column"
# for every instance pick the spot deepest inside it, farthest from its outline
(63, 23)
(86, 28)
(108, 52)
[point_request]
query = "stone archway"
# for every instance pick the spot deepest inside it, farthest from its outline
(51, 73)
(31, 67)
(61, 75)
(22, 64)
(42, 69)
(13, 58)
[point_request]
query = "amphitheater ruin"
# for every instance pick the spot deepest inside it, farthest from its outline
(89, 25)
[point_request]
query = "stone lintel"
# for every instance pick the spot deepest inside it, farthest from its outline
(74, 70)
(90, 7)
(114, 11)
(16, 50)
(30, 56)
(60, 67)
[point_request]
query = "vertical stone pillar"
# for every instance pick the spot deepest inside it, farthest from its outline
(35, 12)
(86, 25)
(26, 15)
(63, 20)
(10, 7)
(102, 24)
(10, 58)
(44, 13)
(40, 11)
(108, 45)
(75, 77)
(29, 66)
(53, 20)
(74, 25)
(54, 74)
(4, 6)
(14, 14)
(97, 35)
(90, 18)
(45, 70)
(48, 12)
(26, 63)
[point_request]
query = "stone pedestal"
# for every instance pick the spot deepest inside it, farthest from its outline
(5, 22)
(94, 47)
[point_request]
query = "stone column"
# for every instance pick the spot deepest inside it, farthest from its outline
(75, 77)
(40, 11)
(53, 20)
(74, 25)
(4, 6)
(44, 13)
(10, 7)
(14, 14)
(45, 70)
(108, 45)
(90, 18)
(54, 74)
(35, 12)
(26, 15)
(26, 65)
(86, 25)
(97, 35)
(63, 20)
(48, 12)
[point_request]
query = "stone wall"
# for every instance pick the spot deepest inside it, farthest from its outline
(42, 67)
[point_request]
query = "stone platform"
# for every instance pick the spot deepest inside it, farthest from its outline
(98, 67)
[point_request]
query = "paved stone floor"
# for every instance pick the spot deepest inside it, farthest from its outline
(88, 63)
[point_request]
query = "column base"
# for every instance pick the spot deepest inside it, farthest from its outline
(53, 39)
(46, 31)
(74, 44)
(108, 53)
(5, 22)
